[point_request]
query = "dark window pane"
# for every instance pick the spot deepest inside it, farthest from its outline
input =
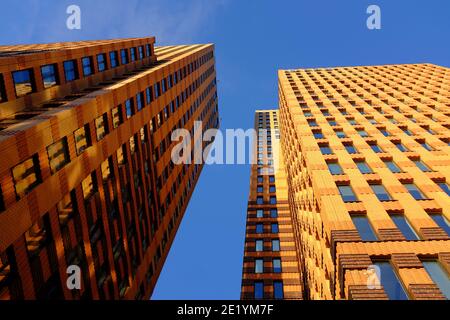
(364, 228)
(70, 70)
(87, 66)
(259, 290)
(442, 222)
(403, 225)
(347, 194)
(390, 282)
(49, 75)
(381, 192)
(278, 290)
(101, 62)
(439, 276)
(23, 82)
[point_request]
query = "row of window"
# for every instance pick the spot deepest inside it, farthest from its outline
(24, 80)
(259, 288)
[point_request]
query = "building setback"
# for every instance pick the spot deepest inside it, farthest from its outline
(367, 160)
(86, 176)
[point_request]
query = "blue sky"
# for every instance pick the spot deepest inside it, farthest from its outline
(253, 40)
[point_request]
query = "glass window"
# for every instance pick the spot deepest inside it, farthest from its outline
(23, 82)
(124, 56)
(101, 126)
(340, 134)
(312, 123)
(278, 290)
(260, 179)
(259, 290)
(26, 176)
(404, 226)
(101, 62)
(275, 245)
(82, 139)
(49, 75)
(351, 149)
(105, 169)
(259, 228)
(276, 265)
(259, 213)
(132, 145)
(363, 133)
(129, 108)
(364, 228)
(363, 167)
(422, 166)
(273, 213)
(259, 245)
(347, 193)
(335, 168)
(70, 70)
(441, 221)
(274, 228)
(326, 150)
(427, 146)
(148, 50)
(271, 179)
(132, 54)
(113, 59)
(58, 155)
(89, 186)
(2, 90)
(259, 265)
(120, 156)
(272, 189)
(318, 135)
(385, 132)
(401, 147)
(390, 281)
(439, 275)
(376, 148)
(444, 186)
(259, 200)
(116, 114)
(381, 192)
(149, 94)
(392, 166)
(140, 100)
(86, 63)
(414, 191)
(273, 200)
(141, 52)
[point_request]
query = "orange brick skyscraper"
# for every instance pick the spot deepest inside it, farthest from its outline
(86, 176)
(367, 159)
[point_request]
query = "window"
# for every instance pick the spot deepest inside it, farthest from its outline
(392, 166)
(86, 63)
(273, 200)
(312, 123)
(141, 52)
(259, 290)
(259, 213)
(422, 166)
(129, 108)
(101, 126)
(89, 186)
(132, 145)
(116, 114)
(351, 149)
(260, 179)
(259, 245)
(414, 191)
(335, 168)
(376, 148)
(140, 100)
(26, 176)
(340, 134)
(401, 147)
(105, 169)
(439, 276)
(364, 228)
(124, 56)
(23, 82)
(426, 146)
(273, 213)
(259, 228)
(101, 62)
(390, 281)
(278, 290)
(2, 90)
(318, 135)
(82, 139)
(326, 150)
(276, 265)
(149, 94)
(404, 226)
(274, 228)
(58, 155)
(363, 133)
(275, 245)
(347, 194)
(271, 179)
(113, 59)
(441, 221)
(120, 156)
(259, 200)
(132, 54)
(259, 265)
(363, 167)
(444, 186)
(49, 75)
(70, 70)
(272, 189)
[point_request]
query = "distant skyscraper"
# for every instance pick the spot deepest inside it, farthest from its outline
(367, 158)
(86, 176)
(271, 265)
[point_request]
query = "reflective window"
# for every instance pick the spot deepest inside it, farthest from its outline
(404, 226)
(351, 149)
(414, 191)
(347, 194)
(401, 147)
(392, 166)
(2, 90)
(58, 155)
(113, 59)
(259, 266)
(259, 245)
(363, 167)
(278, 290)
(326, 150)
(259, 213)
(101, 62)
(274, 228)
(101, 126)
(376, 148)
(275, 245)
(364, 228)
(26, 176)
(422, 166)
(82, 139)
(381, 192)
(70, 70)
(390, 281)
(273, 213)
(259, 228)
(86, 63)
(23, 82)
(129, 108)
(335, 168)
(116, 114)
(133, 54)
(259, 290)
(49, 75)
(124, 56)
(276, 265)
(442, 222)
(444, 186)
(439, 276)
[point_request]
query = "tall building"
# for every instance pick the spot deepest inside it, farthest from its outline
(367, 161)
(271, 265)
(86, 176)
